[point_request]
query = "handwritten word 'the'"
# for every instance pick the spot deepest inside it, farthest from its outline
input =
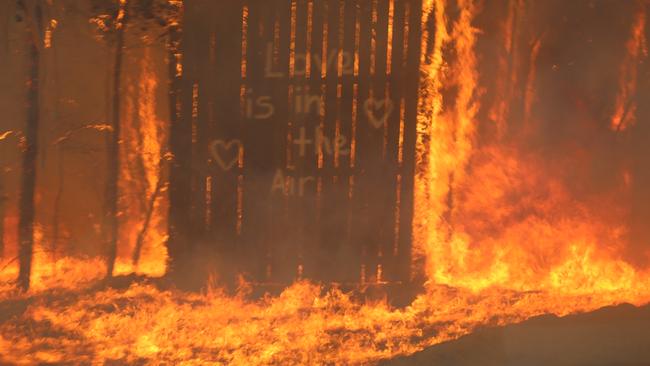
(300, 63)
(321, 143)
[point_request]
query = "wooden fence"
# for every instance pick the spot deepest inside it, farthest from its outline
(303, 128)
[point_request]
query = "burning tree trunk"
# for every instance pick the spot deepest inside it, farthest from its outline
(26, 204)
(147, 221)
(111, 221)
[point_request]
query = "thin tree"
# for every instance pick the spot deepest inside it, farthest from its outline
(111, 222)
(32, 11)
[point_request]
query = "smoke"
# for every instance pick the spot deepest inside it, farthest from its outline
(561, 99)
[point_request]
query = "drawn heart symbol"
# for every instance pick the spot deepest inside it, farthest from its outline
(219, 146)
(372, 106)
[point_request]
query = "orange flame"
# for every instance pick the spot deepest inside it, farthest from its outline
(143, 136)
(502, 237)
(625, 105)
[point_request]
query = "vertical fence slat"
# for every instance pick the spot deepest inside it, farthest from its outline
(311, 120)
(332, 224)
(302, 213)
(379, 166)
(223, 54)
(258, 160)
(395, 129)
(412, 75)
(199, 115)
(361, 233)
(349, 260)
(180, 145)
(284, 250)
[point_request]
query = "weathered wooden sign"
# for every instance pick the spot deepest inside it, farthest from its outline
(303, 135)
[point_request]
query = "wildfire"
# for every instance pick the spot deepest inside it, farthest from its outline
(142, 177)
(635, 47)
(502, 236)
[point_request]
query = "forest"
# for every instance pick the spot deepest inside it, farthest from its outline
(323, 181)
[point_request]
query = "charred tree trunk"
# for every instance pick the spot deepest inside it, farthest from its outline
(111, 222)
(28, 185)
(180, 144)
(147, 220)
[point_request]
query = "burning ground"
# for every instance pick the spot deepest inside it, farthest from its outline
(140, 323)
(530, 197)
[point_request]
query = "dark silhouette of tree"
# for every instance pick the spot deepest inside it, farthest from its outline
(111, 222)
(33, 16)
(112, 19)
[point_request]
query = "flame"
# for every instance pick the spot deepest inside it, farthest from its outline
(5, 135)
(143, 134)
(47, 40)
(502, 236)
(635, 47)
(445, 136)
(486, 218)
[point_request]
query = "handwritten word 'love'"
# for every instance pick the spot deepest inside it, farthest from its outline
(300, 63)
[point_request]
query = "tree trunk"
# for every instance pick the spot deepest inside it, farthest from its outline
(147, 220)
(111, 222)
(26, 203)
(180, 144)
(57, 201)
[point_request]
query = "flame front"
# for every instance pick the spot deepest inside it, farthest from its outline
(141, 175)
(502, 236)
